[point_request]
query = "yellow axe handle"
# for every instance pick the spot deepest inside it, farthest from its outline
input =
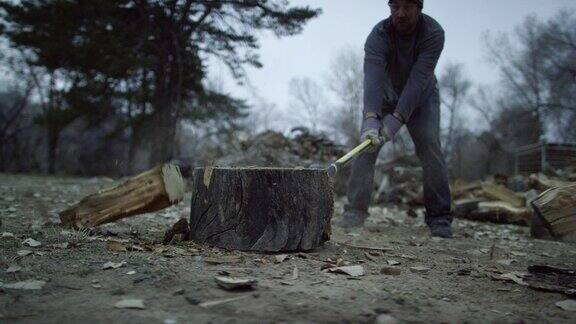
(333, 168)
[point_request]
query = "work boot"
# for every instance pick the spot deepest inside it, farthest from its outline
(440, 226)
(352, 218)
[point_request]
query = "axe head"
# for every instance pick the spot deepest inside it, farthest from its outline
(332, 170)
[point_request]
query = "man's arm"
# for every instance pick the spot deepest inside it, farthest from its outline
(421, 74)
(378, 90)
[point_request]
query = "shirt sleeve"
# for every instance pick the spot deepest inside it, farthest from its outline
(422, 73)
(378, 89)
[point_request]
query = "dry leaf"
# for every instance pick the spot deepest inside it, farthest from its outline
(130, 304)
(115, 246)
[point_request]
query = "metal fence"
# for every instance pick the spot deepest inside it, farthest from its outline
(543, 156)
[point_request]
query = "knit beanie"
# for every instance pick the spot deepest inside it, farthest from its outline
(418, 2)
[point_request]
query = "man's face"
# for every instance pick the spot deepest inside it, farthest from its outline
(405, 14)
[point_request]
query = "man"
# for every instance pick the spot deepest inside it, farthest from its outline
(400, 88)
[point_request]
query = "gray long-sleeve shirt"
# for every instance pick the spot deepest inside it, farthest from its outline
(399, 70)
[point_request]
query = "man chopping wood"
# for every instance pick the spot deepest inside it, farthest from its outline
(400, 88)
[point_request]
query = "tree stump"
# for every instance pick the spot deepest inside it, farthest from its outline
(261, 209)
(147, 192)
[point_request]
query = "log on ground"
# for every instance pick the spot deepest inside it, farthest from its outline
(555, 209)
(261, 209)
(150, 191)
(498, 212)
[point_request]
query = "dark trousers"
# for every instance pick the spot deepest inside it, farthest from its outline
(424, 129)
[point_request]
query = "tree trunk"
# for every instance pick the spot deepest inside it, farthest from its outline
(261, 209)
(162, 136)
(53, 139)
(150, 191)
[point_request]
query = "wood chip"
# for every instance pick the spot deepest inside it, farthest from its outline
(391, 271)
(223, 259)
(517, 277)
(230, 283)
(361, 247)
(7, 236)
(31, 242)
(221, 301)
(353, 271)
(420, 269)
(295, 273)
(26, 285)
(506, 263)
(115, 246)
(113, 265)
(567, 305)
(63, 246)
(13, 269)
(130, 304)
(280, 258)
(23, 253)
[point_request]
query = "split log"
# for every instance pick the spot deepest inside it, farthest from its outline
(463, 190)
(556, 210)
(463, 207)
(499, 212)
(542, 182)
(150, 191)
(261, 209)
(498, 192)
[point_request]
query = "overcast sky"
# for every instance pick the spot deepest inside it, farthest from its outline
(347, 23)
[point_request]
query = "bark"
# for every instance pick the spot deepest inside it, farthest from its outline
(53, 139)
(261, 209)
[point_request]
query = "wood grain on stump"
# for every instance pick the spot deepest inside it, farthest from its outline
(256, 209)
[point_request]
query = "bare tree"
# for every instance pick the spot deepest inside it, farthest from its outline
(454, 86)
(309, 102)
(345, 81)
(539, 74)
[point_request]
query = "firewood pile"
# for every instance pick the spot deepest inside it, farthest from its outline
(547, 203)
(300, 149)
(399, 181)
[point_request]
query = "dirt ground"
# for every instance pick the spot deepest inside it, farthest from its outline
(174, 281)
